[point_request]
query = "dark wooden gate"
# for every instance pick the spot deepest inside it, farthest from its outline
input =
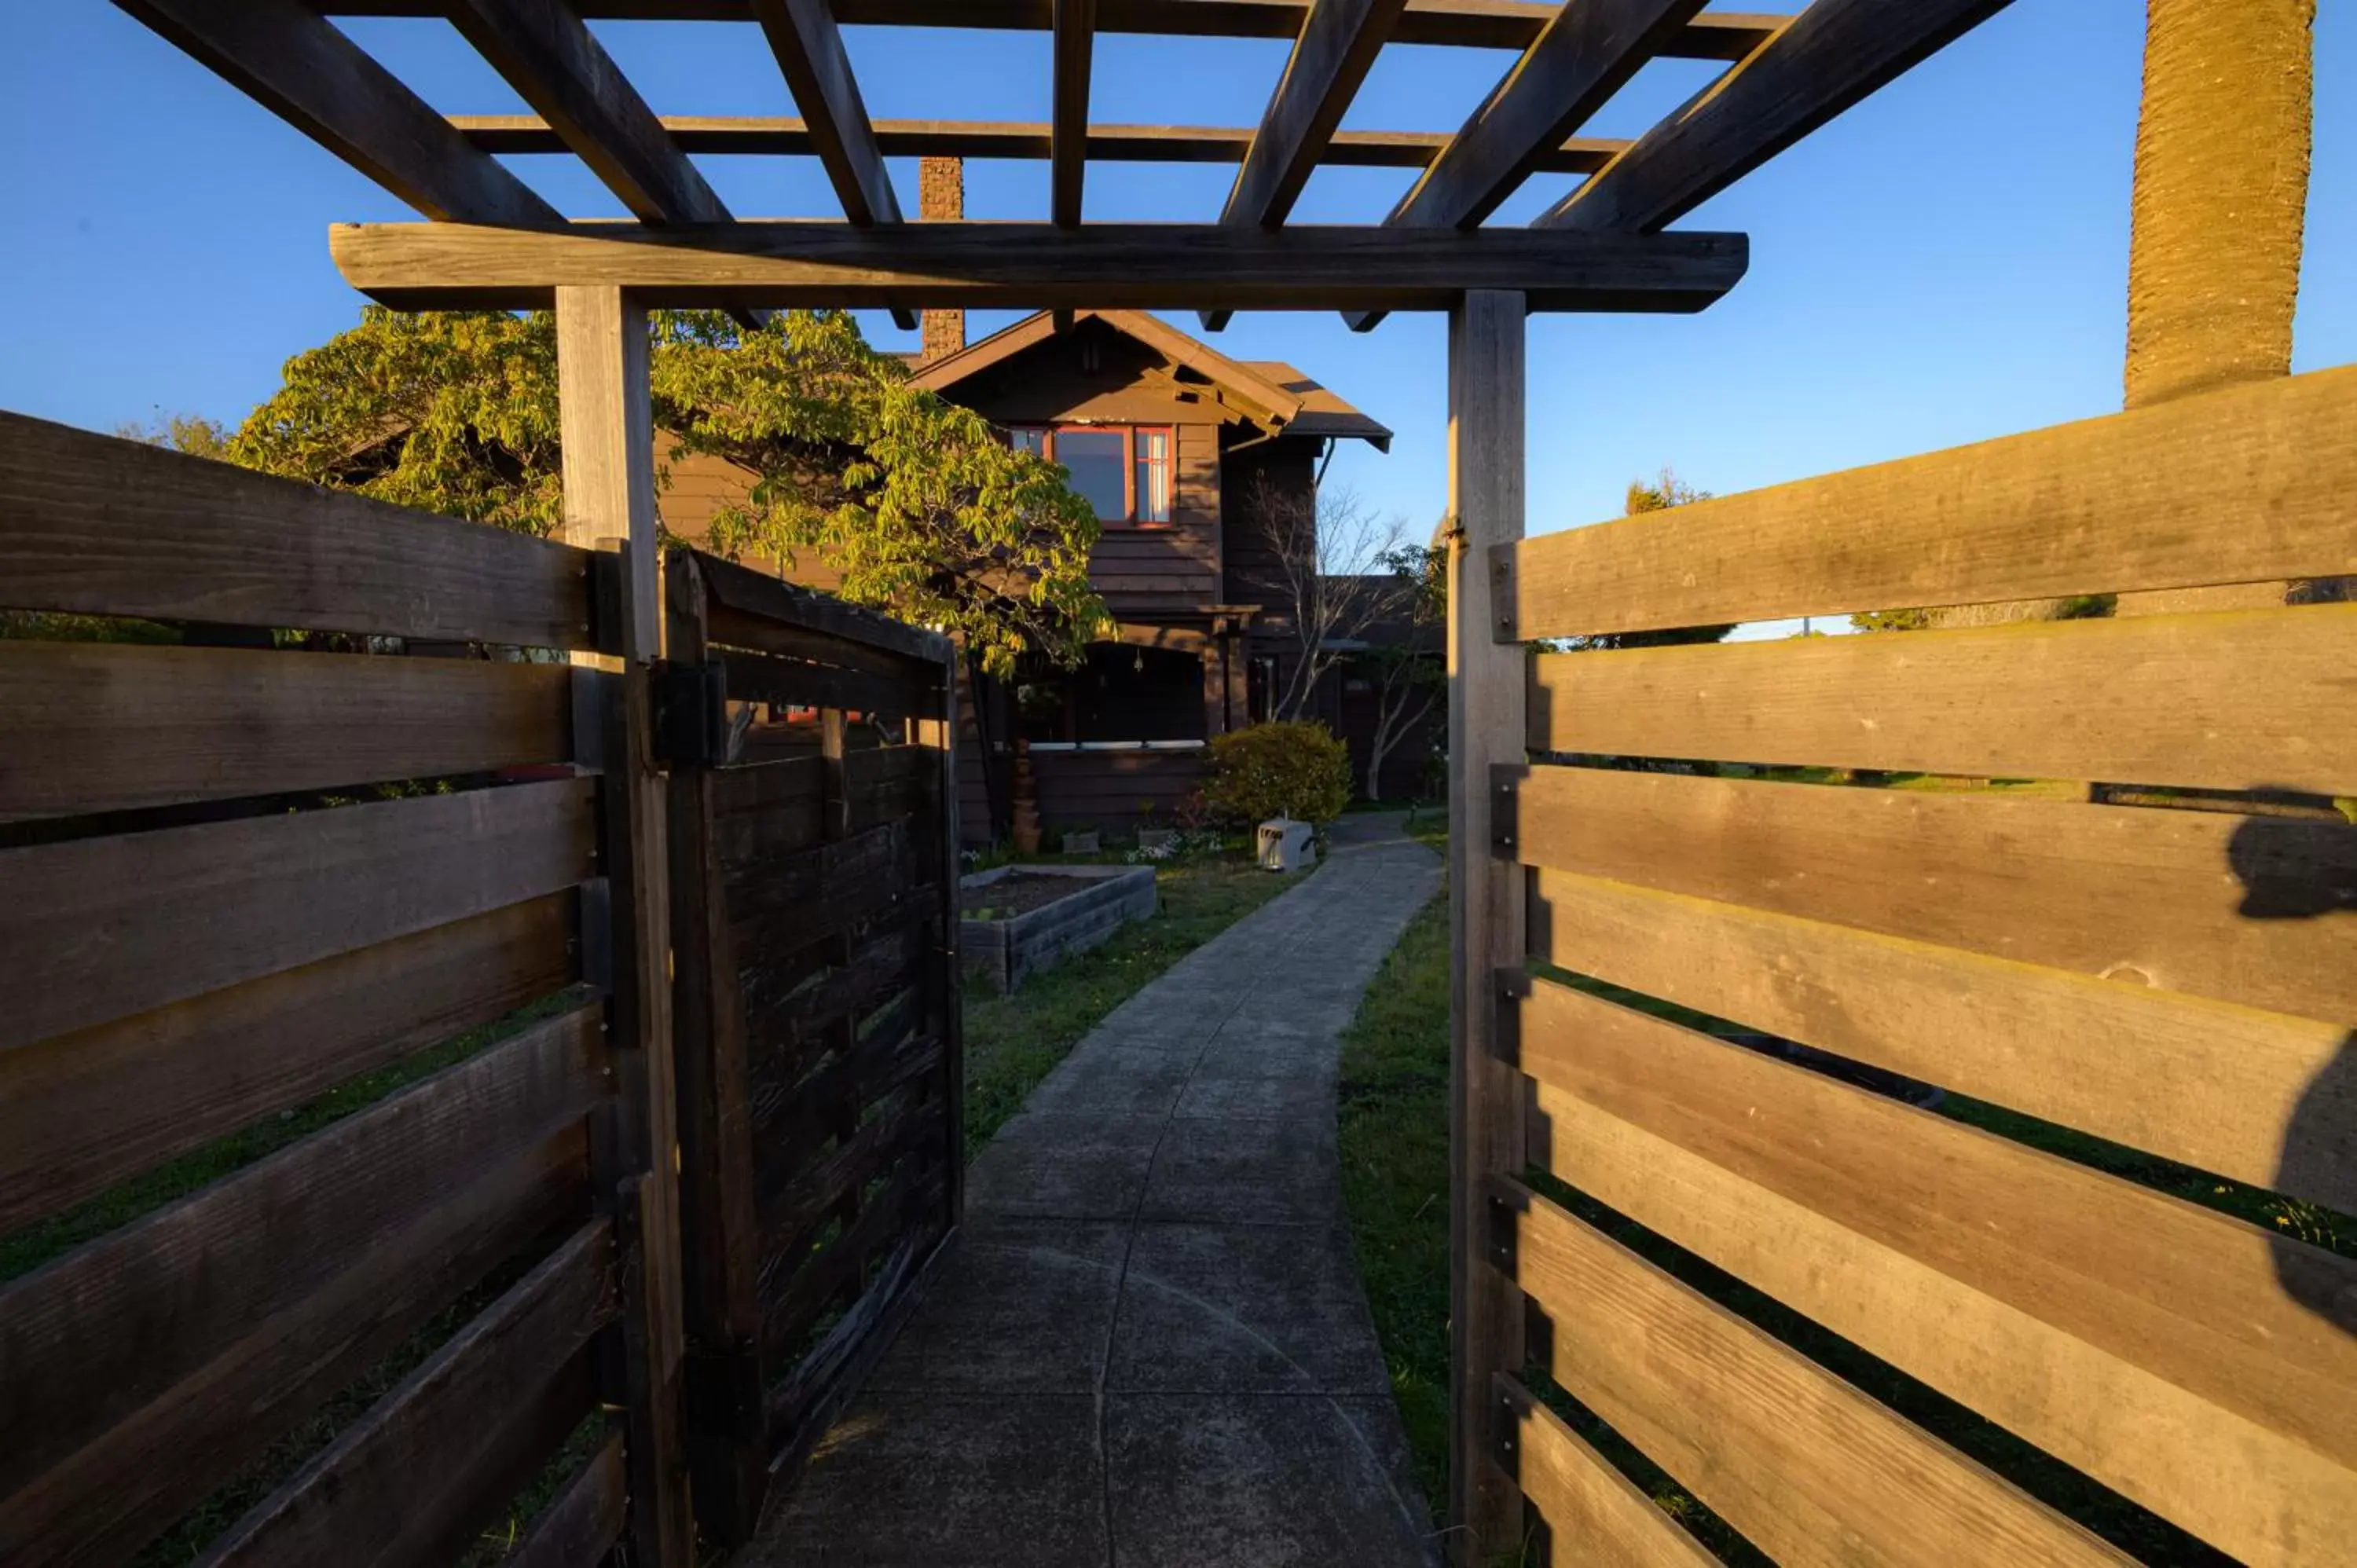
(814, 862)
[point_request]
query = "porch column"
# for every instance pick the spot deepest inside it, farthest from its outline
(1216, 653)
(1486, 702)
(605, 421)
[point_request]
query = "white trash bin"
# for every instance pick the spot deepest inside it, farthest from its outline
(1287, 845)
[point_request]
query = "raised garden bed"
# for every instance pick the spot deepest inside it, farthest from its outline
(1018, 919)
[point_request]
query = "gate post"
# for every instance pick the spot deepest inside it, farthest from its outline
(607, 423)
(1487, 696)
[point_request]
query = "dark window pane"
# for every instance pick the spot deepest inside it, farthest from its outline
(1096, 459)
(1033, 441)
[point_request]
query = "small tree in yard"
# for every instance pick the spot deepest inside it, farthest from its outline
(916, 503)
(1296, 769)
(1335, 573)
(1409, 679)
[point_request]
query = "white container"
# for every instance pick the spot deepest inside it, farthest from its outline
(1287, 845)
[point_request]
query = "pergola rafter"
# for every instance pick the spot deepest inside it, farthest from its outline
(803, 34)
(1340, 40)
(1076, 37)
(284, 56)
(547, 54)
(1788, 77)
(1831, 57)
(1585, 55)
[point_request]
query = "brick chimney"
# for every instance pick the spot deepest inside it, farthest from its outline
(941, 197)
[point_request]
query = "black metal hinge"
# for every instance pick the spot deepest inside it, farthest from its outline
(1506, 780)
(690, 704)
(1508, 987)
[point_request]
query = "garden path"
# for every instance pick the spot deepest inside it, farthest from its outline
(1150, 1344)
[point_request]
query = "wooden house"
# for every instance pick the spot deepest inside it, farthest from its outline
(1184, 451)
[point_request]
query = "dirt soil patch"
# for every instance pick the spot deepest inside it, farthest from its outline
(1019, 893)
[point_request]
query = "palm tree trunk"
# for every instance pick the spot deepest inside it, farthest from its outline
(2220, 200)
(2219, 215)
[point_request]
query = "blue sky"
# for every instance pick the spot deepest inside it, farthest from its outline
(1947, 263)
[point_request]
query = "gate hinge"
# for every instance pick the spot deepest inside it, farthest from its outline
(1508, 987)
(1506, 780)
(690, 704)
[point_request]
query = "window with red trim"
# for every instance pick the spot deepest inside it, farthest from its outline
(1127, 472)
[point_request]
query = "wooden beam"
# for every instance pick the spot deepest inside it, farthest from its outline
(2246, 485)
(283, 56)
(1471, 23)
(1339, 42)
(803, 34)
(605, 410)
(1487, 696)
(808, 46)
(791, 136)
(1037, 265)
(1832, 56)
(1587, 54)
(1076, 24)
(547, 54)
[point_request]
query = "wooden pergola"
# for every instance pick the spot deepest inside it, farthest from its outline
(491, 241)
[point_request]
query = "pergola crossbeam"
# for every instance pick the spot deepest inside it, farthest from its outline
(1831, 57)
(1473, 23)
(286, 57)
(790, 136)
(1340, 40)
(1142, 266)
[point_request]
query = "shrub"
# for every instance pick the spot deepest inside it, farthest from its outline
(1296, 769)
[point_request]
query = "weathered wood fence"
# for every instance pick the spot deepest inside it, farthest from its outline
(815, 875)
(241, 871)
(2180, 982)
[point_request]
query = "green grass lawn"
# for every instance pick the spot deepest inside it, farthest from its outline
(1012, 1042)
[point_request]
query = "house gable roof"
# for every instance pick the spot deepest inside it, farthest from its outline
(1275, 396)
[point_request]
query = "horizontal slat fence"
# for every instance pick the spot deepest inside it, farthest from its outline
(312, 1100)
(1728, 927)
(814, 862)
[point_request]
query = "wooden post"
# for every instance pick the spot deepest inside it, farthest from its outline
(606, 420)
(1487, 695)
(728, 1437)
(942, 733)
(608, 481)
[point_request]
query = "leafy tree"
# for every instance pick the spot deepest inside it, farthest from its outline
(1408, 679)
(1664, 492)
(916, 503)
(190, 433)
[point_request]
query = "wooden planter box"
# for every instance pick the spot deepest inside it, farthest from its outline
(999, 953)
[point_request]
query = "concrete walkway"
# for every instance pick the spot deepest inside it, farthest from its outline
(1151, 1345)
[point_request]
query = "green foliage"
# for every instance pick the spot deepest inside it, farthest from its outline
(190, 433)
(1664, 492)
(915, 503)
(450, 412)
(1295, 768)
